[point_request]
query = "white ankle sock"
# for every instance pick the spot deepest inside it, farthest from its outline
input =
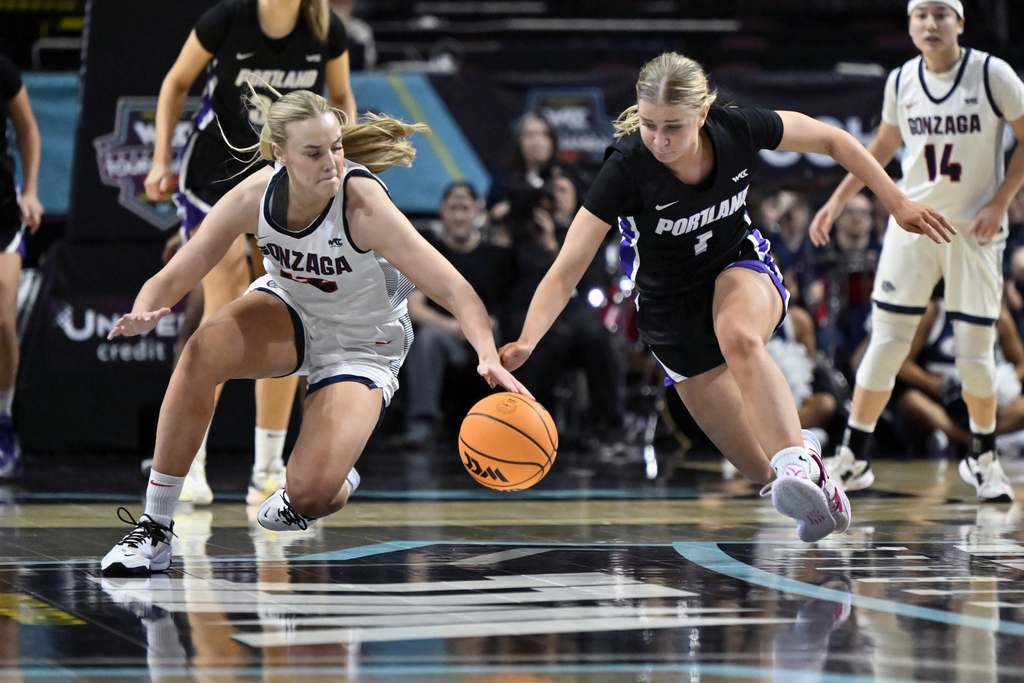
(796, 455)
(353, 480)
(6, 399)
(162, 495)
(269, 448)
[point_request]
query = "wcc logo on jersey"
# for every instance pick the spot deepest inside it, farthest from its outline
(125, 157)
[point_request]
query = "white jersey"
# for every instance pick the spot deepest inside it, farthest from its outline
(322, 271)
(953, 127)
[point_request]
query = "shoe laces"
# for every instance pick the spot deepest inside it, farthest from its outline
(289, 515)
(145, 528)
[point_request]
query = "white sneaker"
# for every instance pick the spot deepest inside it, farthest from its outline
(849, 473)
(277, 514)
(264, 483)
(195, 489)
(838, 503)
(987, 476)
(145, 550)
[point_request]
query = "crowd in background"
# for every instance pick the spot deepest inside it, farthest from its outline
(505, 242)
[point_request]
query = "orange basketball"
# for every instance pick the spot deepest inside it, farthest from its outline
(508, 442)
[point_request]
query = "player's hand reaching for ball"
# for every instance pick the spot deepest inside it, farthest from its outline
(514, 354)
(137, 323)
(923, 220)
(499, 376)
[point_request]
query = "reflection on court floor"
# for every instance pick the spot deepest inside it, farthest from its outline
(701, 585)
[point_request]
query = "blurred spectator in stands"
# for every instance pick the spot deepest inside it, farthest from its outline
(362, 49)
(842, 296)
(928, 396)
(787, 216)
(19, 208)
(533, 169)
(440, 345)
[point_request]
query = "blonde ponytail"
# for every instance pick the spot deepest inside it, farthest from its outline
(378, 142)
(669, 78)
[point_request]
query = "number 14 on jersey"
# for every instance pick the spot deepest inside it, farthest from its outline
(946, 167)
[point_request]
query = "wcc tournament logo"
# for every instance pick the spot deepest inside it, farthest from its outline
(125, 157)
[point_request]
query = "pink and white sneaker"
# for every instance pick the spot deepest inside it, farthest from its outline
(838, 503)
(819, 508)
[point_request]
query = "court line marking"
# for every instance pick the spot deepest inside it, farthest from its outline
(710, 556)
(733, 670)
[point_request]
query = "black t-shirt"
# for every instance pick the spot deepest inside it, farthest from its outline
(231, 31)
(10, 86)
(675, 236)
(490, 269)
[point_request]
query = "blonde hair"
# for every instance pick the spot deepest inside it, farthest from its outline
(318, 17)
(378, 142)
(669, 78)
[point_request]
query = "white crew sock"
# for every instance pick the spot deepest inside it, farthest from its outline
(6, 400)
(796, 455)
(975, 427)
(162, 495)
(868, 427)
(353, 480)
(269, 449)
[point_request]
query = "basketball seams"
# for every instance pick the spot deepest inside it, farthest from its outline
(517, 429)
(543, 422)
(507, 462)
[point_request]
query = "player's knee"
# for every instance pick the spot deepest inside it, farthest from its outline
(199, 360)
(311, 499)
(975, 357)
(891, 337)
(738, 342)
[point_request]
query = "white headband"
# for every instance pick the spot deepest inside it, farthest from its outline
(955, 5)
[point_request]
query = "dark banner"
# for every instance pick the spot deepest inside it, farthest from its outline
(129, 47)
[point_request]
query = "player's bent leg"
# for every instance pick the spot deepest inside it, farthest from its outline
(747, 308)
(713, 394)
(252, 337)
(10, 450)
(337, 422)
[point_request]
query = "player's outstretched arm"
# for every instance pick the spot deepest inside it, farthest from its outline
(804, 134)
(990, 218)
(235, 214)
(883, 148)
(581, 244)
(173, 92)
(26, 131)
(375, 223)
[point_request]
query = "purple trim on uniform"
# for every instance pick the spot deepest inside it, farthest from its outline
(190, 214)
(21, 245)
(767, 266)
(627, 248)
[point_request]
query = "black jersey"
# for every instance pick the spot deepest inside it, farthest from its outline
(241, 52)
(10, 86)
(677, 237)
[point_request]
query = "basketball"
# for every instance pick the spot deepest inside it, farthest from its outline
(508, 442)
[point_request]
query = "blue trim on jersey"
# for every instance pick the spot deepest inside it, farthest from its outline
(972, 319)
(959, 75)
(988, 90)
(899, 74)
(271, 186)
(300, 334)
(344, 202)
(906, 310)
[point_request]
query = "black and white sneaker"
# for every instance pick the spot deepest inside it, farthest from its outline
(987, 476)
(277, 514)
(145, 550)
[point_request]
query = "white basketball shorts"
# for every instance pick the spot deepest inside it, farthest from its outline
(911, 265)
(330, 351)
